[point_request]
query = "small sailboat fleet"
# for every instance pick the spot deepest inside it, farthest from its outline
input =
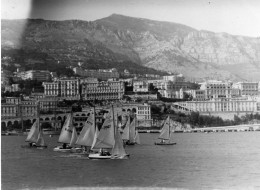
(109, 141)
(130, 135)
(68, 137)
(165, 135)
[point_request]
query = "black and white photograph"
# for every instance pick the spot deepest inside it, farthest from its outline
(130, 94)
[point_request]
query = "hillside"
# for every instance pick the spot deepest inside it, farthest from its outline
(119, 40)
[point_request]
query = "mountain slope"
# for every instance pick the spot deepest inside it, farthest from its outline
(159, 45)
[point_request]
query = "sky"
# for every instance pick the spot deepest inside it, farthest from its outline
(237, 17)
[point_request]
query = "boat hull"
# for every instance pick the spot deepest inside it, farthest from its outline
(60, 149)
(159, 143)
(121, 157)
(128, 143)
(98, 156)
(73, 150)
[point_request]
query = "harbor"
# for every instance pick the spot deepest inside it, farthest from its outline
(217, 161)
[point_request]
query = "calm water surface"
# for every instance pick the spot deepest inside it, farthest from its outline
(198, 161)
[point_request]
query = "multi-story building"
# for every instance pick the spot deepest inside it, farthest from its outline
(37, 95)
(13, 100)
(24, 109)
(48, 104)
(102, 74)
(89, 79)
(64, 88)
(174, 78)
(38, 75)
(216, 89)
(9, 110)
(219, 105)
(69, 88)
(247, 88)
(143, 112)
(52, 88)
(197, 95)
(110, 90)
(141, 86)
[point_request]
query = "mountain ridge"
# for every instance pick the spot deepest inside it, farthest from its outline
(160, 45)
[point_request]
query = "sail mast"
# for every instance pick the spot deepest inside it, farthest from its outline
(113, 120)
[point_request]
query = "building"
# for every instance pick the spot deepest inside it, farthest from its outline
(247, 88)
(141, 86)
(69, 89)
(109, 90)
(52, 88)
(216, 89)
(12, 88)
(13, 100)
(89, 79)
(219, 105)
(37, 95)
(9, 110)
(174, 78)
(102, 74)
(38, 75)
(24, 109)
(197, 95)
(48, 104)
(64, 88)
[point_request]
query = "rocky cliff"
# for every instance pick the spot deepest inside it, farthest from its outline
(159, 45)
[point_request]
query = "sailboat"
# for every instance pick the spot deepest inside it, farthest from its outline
(130, 134)
(109, 141)
(88, 133)
(165, 134)
(40, 143)
(68, 137)
(137, 138)
(35, 135)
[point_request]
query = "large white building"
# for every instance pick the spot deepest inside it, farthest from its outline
(105, 90)
(141, 86)
(219, 105)
(64, 88)
(216, 89)
(102, 74)
(38, 75)
(247, 88)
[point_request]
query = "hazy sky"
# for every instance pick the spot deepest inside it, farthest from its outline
(239, 17)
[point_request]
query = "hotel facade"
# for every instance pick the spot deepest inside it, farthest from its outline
(104, 90)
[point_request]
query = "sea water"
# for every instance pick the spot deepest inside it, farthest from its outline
(198, 161)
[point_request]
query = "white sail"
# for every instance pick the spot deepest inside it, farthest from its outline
(125, 135)
(40, 140)
(165, 132)
(33, 134)
(132, 131)
(106, 135)
(74, 137)
(66, 132)
(86, 136)
(137, 137)
(118, 150)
